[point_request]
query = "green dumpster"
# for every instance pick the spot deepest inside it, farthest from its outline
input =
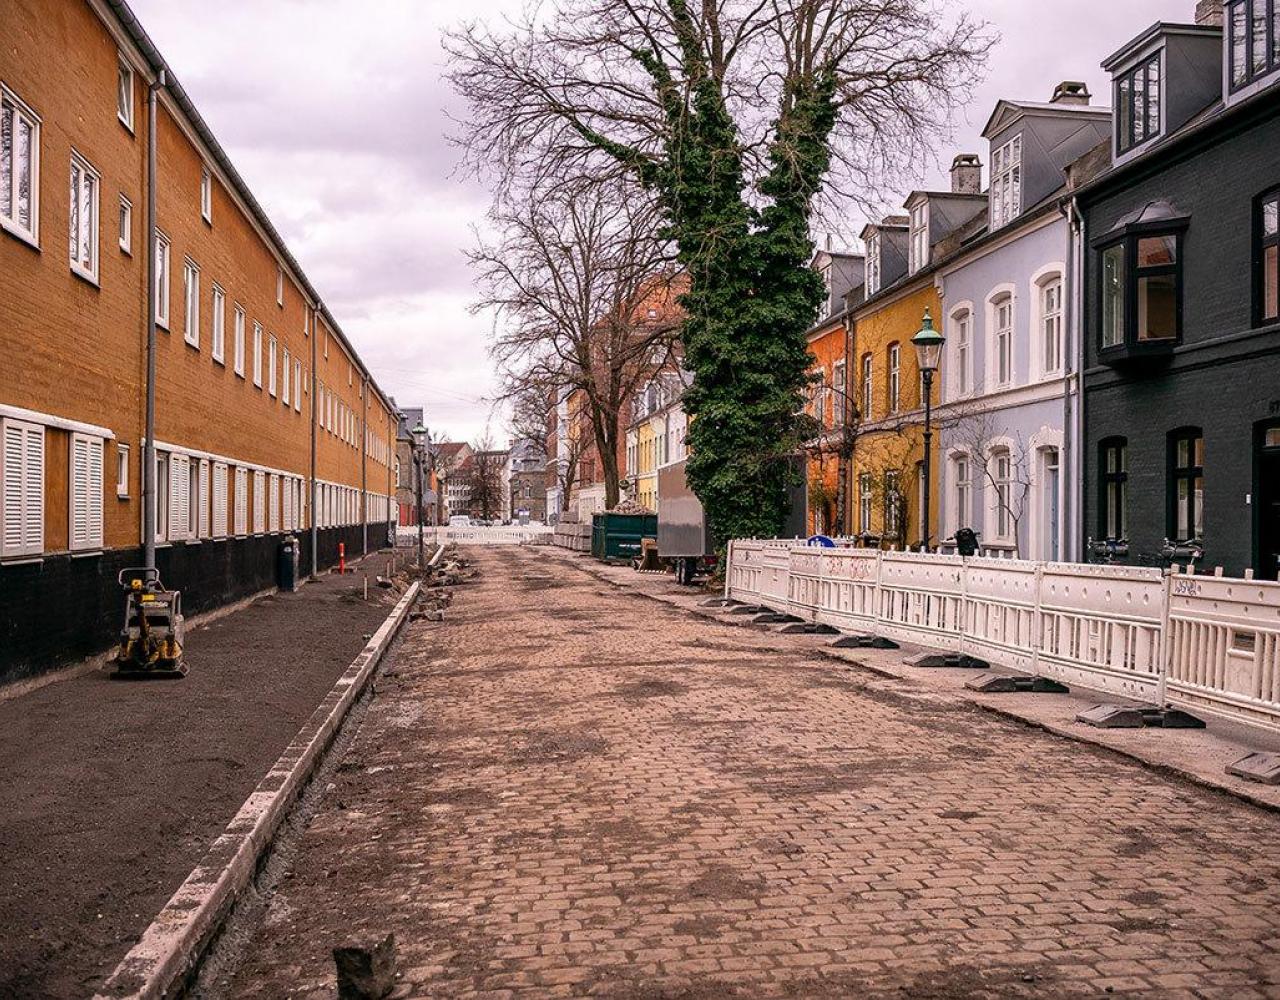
(616, 536)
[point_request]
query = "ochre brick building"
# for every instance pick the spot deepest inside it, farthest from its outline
(250, 366)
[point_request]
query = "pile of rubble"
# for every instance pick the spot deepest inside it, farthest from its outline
(450, 570)
(629, 507)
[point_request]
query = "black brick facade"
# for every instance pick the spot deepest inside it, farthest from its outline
(61, 609)
(1224, 376)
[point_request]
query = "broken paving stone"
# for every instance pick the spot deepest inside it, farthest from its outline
(366, 973)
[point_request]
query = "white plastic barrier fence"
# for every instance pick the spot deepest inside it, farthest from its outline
(509, 535)
(1208, 643)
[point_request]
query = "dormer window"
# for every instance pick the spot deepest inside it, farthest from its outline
(919, 245)
(873, 263)
(1138, 105)
(1006, 183)
(1253, 48)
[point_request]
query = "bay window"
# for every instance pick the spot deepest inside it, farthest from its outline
(1141, 294)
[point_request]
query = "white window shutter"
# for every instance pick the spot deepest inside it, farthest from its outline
(273, 501)
(79, 490)
(22, 497)
(219, 500)
(203, 499)
(179, 496)
(242, 501)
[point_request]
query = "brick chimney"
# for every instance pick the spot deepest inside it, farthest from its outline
(1071, 92)
(1209, 12)
(966, 174)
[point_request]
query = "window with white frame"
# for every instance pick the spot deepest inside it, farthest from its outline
(873, 263)
(126, 225)
(197, 488)
(179, 498)
(867, 386)
(218, 526)
(124, 92)
(85, 493)
(83, 218)
(271, 365)
(839, 384)
(237, 336)
(259, 501)
(122, 471)
(218, 329)
(1002, 494)
(297, 385)
(1051, 326)
(191, 298)
(919, 245)
(19, 167)
(864, 502)
(892, 503)
(22, 497)
(257, 355)
(284, 378)
(162, 496)
(206, 195)
(242, 501)
(1006, 183)
(279, 285)
(1002, 337)
(895, 377)
(273, 502)
(162, 280)
(962, 339)
(202, 525)
(962, 495)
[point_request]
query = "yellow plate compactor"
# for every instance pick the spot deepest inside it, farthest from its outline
(151, 640)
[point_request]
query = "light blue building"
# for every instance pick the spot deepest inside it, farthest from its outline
(1009, 375)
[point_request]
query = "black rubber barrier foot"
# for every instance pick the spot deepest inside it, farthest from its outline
(807, 628)
(1264, 768)
(748, 609)
(864, 642)
(955, 660)
(775, 618)
(1139, 717)
(1011, 683)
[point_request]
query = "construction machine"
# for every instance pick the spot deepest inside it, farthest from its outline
(152, 637)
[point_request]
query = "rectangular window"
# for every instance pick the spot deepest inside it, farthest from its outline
(297, 385)
(963, 337)
(1254, 40)
(19, 167)
(206, 195)
(1186, 485)
(237, 346)
(1138, 103)
(84, 218)
(279, 285)
(1114, 464)
(1002, 471)
(1269, 257)
(126, 225)
(242, 501)
(867, 387)
(218, 527)
(873, 263)
(1157, 288)
(1051, 326)
(895, 358)
(1113, 296)
(964, 493)
(273, 502)
(124, 93)
(840, 406)
(1004, 341)
(259, 501)
(257, 355)
(22, 493)
(179, 498)
(1006, 182)
(919, 246)
(271, 365)
(284, 378)
(162, 280)
(218, 325)
(892, 504)
(191, 297)
(122, 471)
(162, 496)
(85, 493)
(200, 498)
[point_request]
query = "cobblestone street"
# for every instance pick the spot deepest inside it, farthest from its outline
(566, 789)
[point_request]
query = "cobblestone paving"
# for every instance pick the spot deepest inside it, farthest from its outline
(567, 790)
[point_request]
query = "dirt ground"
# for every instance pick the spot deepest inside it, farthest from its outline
(569, 790)
(111, 792)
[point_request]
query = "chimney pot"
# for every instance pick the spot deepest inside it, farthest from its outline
(1071, 92)
(966, 174)
(1209, 12)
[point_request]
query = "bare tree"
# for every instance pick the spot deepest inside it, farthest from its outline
(1003, 462)
(484, 478)
(583, 293)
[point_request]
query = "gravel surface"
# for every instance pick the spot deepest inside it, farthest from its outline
(566, 789)
(112, 791)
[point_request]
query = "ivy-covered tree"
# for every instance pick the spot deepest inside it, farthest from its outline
(740, 117)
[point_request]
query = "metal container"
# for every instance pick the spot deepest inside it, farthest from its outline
(616, 537)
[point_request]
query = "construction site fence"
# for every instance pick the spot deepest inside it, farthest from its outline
(1204, 642)
(531, 534)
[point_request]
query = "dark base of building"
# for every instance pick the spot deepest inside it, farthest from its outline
(65, 608)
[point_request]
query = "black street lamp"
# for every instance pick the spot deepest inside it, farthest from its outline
(420, 456)
(928, 344)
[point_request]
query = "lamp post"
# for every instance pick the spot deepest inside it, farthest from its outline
(419, 456)
(928, 344)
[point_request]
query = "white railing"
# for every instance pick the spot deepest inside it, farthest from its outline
(1208, 643)
(508, 535)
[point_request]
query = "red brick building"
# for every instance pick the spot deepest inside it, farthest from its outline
(261, 402)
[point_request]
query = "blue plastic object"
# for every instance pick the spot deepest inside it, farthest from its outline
(821, 542)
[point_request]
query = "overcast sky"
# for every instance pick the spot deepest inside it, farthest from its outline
(334, 112)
